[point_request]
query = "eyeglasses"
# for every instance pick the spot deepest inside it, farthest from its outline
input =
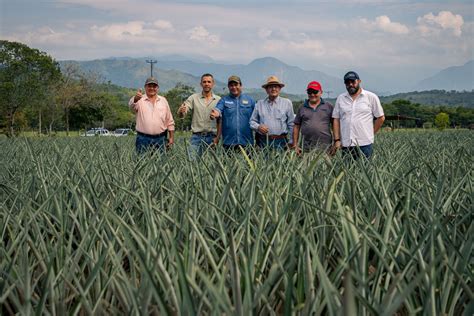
(311, 91)
(273, 86)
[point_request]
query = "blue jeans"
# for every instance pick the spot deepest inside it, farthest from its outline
(355, 151)
(263, 141)
(144, 143)
(199, 143)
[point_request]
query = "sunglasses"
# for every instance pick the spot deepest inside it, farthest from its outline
(311, 91)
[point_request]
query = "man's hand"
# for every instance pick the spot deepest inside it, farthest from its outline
(170, 143)
(297, 150)
(334, 148)
(138, 96)
(262, 129)
(214, 114)
(215, 141)
(182, 110)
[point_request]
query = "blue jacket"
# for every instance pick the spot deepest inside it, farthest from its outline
(235, 113)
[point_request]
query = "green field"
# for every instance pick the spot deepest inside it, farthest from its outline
(87, 227)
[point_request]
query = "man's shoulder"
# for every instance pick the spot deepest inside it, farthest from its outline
(341, 97)
(162, 98)
(247, 97)
(285, 100)
(328, 104)
(369, 94)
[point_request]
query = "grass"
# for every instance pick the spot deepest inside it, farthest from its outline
(89, 228)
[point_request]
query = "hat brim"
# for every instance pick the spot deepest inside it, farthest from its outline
(273, 84)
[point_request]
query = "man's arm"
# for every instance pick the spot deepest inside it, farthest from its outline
(170, 126)
(132, 104)
(170, 139)
(185, 107)
(217, 111)
(296, 136)
(378, 123)
(255, 119)
(219, 132)
(290, 115)
(336, 131)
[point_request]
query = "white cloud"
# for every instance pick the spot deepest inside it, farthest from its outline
(445, 20)
(200, 33)
(264, 33)
(315, 47)
(163, 25)
(116, 32)
(384, 24)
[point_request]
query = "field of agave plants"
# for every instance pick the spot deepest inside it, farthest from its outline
(87, 227)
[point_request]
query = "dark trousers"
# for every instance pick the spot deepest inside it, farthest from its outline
(355, 152)
(274, 143)
(146, 142)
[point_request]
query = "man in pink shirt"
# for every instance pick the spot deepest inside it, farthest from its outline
(154, 119)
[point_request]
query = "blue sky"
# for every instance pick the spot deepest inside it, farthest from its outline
(408, 39)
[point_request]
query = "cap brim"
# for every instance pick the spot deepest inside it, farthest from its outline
(273, 84)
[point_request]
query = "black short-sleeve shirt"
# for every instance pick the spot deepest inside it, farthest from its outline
(315, 124)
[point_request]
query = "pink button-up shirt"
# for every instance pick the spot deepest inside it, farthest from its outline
(152, 118)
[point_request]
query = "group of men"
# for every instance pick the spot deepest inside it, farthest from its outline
(270, 123)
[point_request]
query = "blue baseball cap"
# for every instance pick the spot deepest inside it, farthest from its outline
(351, 75)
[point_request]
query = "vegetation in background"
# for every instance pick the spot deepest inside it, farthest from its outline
(435, 98)
(442, 121)
(35, 96)
(26, 78)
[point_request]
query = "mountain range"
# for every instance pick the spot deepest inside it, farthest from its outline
(453, 78)
(173, 69)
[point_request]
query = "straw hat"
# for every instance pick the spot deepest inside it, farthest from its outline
(273, 80)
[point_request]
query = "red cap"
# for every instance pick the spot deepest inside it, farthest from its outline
(315, 86)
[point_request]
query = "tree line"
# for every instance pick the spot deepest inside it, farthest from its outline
(35, 94)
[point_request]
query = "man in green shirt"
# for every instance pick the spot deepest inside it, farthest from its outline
(206, 132)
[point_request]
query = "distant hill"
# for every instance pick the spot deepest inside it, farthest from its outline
(453, 78)
(435, 97)
(255, 73)
(131, 72)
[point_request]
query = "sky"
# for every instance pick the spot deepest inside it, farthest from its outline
(401, 40)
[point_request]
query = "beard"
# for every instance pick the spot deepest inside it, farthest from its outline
(353, 90)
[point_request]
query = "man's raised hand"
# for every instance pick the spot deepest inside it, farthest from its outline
(138, 96)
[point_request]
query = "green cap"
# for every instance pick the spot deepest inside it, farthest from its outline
(151, 80)
(234, 79)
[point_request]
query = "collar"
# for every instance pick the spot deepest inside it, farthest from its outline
(362, 92)
(306, 103)
(213, 96)
(148, 99)
(277, 99)
(234, 97)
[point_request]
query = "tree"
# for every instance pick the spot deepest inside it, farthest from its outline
(26, 75)
(176, 97)
(442, 120)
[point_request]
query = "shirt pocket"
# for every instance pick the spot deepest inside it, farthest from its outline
(246, 110)
(229, 108)
(345, 111)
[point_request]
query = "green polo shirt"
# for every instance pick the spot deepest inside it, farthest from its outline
(201, 112)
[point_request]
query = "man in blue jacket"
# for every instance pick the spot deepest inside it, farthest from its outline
(235, 110)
